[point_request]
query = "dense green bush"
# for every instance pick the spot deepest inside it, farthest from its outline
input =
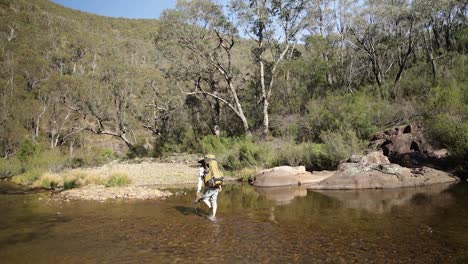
(91, 157)
(242, 153)
(363, 113)
(340, 144)
(452, 131)
(27, 150)
(10, 167)
(446, 119)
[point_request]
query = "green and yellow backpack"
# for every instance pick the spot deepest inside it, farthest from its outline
(213, 176)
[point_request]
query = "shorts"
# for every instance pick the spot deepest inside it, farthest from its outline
(211, 194)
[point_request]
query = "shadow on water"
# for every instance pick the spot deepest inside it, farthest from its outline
(40, 231)
(195, 210)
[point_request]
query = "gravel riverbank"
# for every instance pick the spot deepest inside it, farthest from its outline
(147, 177)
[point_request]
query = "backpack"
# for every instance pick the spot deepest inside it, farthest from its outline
(213, 177)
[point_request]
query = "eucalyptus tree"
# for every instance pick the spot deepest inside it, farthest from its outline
(275, 26)
(387, 33)
(199, 40)
(105, 105)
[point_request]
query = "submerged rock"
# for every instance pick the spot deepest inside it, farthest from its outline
(374, 171)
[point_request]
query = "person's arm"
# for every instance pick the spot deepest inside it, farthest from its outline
(200, 179)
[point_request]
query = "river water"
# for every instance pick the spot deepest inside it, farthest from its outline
(269, 225)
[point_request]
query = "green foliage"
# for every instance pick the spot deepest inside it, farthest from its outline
(51, 160)
(117, 179)
(452, 131)
(341, 144)
(91, 158)
(10, 167)
(310, 155)
(213, 144)
(107, 153)
(27, 150)
(451, 99)
(359, 112)
(137, 151)
(323, 92)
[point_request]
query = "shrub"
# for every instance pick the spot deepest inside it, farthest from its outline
(310, 155)
(453, 133)
(107, 153)
(290, 154)
(360, 112)
(250, 154)
(27, 150)
(137, 151)
(341, 144)
(10, 167)
(247, 174)
(117, 179)
(212, 144)
(91, 157)
(76, 162)
(51, 160)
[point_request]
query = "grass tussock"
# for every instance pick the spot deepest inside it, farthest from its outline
(28, 177)
(48, 181)
(80, 178)
(117, 179)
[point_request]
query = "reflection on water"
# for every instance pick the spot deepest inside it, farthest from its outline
(282, 195)
(268, 225)
(383, 200)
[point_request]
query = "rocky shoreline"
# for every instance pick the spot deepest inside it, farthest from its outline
(372, 171)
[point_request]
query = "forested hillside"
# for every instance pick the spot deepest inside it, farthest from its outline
(314, 78)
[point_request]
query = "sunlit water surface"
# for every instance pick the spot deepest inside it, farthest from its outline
(269, 225)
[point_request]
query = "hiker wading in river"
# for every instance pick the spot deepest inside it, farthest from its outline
(212, 179)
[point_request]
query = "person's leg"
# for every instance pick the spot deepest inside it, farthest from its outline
(214, 202)
(207, 203)
(206, 198)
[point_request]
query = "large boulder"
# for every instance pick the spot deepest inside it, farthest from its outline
(408, 146)
(374, 172)
(286, 176)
